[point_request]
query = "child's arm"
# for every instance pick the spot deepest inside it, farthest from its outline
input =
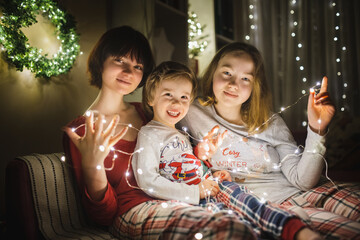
(210, 143)
(146, 170)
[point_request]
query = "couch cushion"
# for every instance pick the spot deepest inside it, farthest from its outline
(56, 200)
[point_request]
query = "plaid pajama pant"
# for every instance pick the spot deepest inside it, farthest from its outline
(212, 220)
(334, 211)
(267, 220)
(175, 220)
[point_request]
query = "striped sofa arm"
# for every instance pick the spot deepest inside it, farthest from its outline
(54, 197)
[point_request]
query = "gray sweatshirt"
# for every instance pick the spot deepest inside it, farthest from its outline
(267, 163)
(153, 166)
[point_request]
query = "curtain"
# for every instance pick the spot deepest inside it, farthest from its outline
(329, 34)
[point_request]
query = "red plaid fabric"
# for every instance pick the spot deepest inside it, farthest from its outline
(333, 210)
(174, 220)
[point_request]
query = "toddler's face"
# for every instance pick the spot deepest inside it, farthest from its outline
(171, 101)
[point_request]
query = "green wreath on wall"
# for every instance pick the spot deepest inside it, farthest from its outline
(22, 13)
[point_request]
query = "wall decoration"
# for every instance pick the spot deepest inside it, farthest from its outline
(18, 14)
(196, 40)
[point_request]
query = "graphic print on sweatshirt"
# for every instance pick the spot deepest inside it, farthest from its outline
(244, 158)
(178, 164)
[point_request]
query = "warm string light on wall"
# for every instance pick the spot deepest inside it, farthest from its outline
(339, 50)
(295, 34)
(252, 20)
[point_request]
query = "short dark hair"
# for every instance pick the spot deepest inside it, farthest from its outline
(119, 42)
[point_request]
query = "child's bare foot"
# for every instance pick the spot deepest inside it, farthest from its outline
(308, 234)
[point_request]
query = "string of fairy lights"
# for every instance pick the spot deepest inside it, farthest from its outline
(235, 138)
(252, 20)
(340, 50)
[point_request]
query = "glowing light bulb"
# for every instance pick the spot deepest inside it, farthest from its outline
(297, 58)
(282, 108)
(342, 109)
(304, 123)
(101, 148)
(206, 147)
(198, 236)
(304, 80)
(338, 60)
(299, 45)
(247, 37)
(293, 34)
(63, 158)
(344, 96)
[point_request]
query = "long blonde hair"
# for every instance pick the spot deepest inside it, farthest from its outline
(256, 110)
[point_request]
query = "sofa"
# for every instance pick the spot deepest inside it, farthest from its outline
(42, 201)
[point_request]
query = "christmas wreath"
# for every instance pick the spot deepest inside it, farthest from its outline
(22, 13)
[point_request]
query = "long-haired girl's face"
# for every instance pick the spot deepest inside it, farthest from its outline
(233, 80)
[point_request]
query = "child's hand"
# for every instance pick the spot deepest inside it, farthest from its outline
(222, 175)
(205, 149)
(208, 187)
(320, 109)
(95, 145)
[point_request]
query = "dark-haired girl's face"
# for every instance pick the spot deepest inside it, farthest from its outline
(233, 80)
(121, 74)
